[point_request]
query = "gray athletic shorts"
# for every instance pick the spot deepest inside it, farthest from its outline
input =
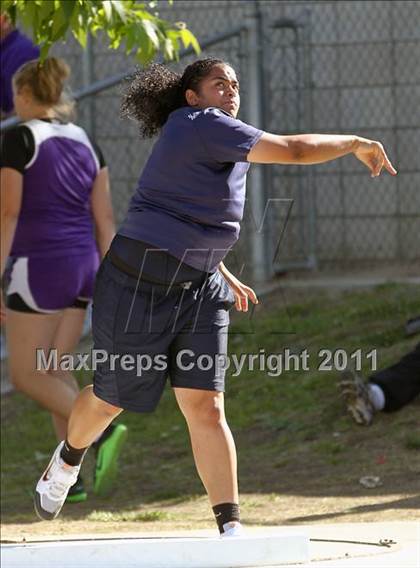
(144, 333)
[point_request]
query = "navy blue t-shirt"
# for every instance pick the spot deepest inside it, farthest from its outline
(191, 195)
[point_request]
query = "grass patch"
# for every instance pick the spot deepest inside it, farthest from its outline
(328, 448)
(291, 430)
(412, 441)
(128, 517)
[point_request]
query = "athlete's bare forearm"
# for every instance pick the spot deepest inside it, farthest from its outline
(319, 148)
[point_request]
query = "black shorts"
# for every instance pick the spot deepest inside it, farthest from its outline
(145, 332)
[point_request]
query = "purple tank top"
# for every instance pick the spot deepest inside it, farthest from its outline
(55, 217)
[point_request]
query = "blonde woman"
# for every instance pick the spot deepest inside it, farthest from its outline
(54, 198)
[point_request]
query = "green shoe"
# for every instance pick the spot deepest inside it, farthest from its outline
(107, 453)
(77, 492)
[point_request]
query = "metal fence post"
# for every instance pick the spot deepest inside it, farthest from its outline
(87, 80)
(310, 197)
(256, 193)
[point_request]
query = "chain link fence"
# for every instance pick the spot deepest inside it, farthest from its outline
(329, 67)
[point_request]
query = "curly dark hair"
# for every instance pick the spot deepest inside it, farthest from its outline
(154, 92)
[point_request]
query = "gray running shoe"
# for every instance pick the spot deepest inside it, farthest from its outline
(355, 391)
(51, 490)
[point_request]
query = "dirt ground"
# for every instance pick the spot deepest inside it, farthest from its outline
(257, 510)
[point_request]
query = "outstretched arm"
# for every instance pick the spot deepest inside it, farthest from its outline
(319, 148)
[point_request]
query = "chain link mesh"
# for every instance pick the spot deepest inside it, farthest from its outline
(348, 67)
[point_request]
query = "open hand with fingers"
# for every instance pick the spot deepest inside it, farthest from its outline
(242, 292)
(372, 154)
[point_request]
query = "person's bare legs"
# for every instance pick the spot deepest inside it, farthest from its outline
(212, 443)
(89, 418)
(25, 333)
(65, 341)
(60, 426)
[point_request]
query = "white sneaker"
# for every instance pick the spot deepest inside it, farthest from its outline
(51, 490)
(232, 529)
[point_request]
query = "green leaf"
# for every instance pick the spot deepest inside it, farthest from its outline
(117, 5)
(141, 14)
(67, 7)
(128, 20)
(142, 57)
(150, 30)
(115, 38)
(145, 48)
(29, 15)
(189, 39)
(168, 49)
(130, 39)
(46, 8)
(81, 35)
(45, 47)
(74, 20)
(59, 24)
(107, 10)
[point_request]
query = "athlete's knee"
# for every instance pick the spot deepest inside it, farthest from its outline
(101, 406)
(212, 417)
(208, 412)
(22, 379)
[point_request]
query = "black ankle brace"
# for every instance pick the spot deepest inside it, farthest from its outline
(72, 456)
(226, 512)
